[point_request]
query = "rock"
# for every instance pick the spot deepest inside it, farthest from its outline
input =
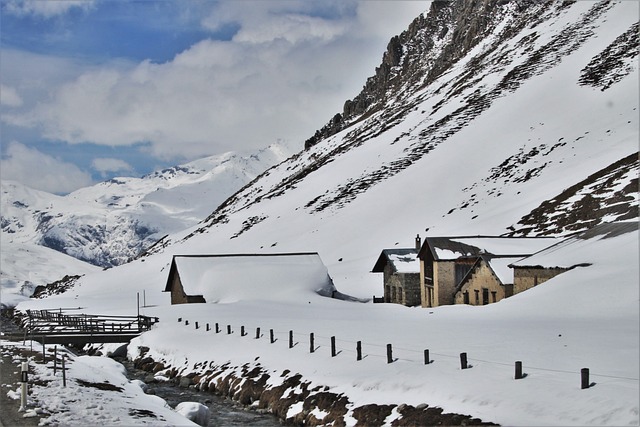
(185, 382)
(194, 411)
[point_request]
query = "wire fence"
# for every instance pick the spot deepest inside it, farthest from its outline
(386, 351)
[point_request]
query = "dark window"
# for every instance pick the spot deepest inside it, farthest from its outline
(477, 296)
(485, 296)
(493, 296)
(466, 297)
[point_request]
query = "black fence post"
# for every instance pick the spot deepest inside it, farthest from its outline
(312, 346)
(359, 350)
(427, 359)
(518, 370)
(463, 361)
(242, 331)
(186, 323)
(584, 374)
(208, 328)
(197, 326)
(290, 339)
(389, 354)
(228, 329)
(217, 328)
(179, 319)
(271, 338)
(257, 333)
(333, 346)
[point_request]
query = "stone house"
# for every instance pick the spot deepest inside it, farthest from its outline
(231, 277)
(401, 276)
(471, 269)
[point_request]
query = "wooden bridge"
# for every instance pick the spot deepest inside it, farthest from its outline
(58, 327)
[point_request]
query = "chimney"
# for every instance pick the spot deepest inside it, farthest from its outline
(418, 243)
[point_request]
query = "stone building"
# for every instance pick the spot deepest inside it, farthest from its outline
(233, 277)
(401, 276)
(471, 269)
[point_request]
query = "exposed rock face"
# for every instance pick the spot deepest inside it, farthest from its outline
(432, 43)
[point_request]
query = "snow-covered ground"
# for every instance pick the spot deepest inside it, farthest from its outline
(96, 392)
(584, 318)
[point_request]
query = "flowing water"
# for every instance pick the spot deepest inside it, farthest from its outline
(224, 412)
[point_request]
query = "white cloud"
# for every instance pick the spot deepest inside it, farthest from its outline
(45, 8)
(9, 96)
(107, 164)
(284, 74)
(41, 171)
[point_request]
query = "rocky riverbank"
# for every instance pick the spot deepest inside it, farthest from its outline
(295, 401)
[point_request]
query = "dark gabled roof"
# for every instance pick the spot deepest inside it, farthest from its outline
(395, 257)
(451, 248)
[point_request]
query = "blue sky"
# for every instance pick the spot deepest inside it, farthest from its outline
(92, 89)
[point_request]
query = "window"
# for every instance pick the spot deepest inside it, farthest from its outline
(493, 296)
(485, 296)
(477, 296)
(466, 297)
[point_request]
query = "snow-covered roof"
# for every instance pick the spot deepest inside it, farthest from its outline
(577, 249)
(402, 260)
(236, 277)
(451, 248)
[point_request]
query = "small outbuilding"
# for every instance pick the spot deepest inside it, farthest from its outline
(572, 252)
(234, 277)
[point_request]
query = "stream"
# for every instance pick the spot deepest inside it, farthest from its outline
(224, 412)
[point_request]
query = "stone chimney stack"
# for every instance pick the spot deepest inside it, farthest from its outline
(418, 243)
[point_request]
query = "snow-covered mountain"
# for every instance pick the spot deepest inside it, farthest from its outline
(109, 223)
(485, 117)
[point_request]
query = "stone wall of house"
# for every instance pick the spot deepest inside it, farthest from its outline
(411, 284)
(527, 277)
(177, 291)
(401, 288)
(481, 278)
(444, 282)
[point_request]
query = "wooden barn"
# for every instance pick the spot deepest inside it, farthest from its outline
(233, 277)
(471, 269)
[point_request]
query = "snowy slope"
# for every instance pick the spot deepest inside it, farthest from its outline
(519, 119)
(111, 222)
(23, 266)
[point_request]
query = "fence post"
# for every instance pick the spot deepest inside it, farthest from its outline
(312, 346)
(584, 374)
(359, 350)
(44, 356)
(333, 346)
(55, 359)
(208, 328)
(24, 380)
(217, 328)
(389, 354)
(427, 359)
(271, 338)
(290, 339)
(197, 326)
(257, 333)
(242, 331)
(179, 319)
(518, 370)
(64, 371)
(463, 361)
(228, 329)
(186, 323)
